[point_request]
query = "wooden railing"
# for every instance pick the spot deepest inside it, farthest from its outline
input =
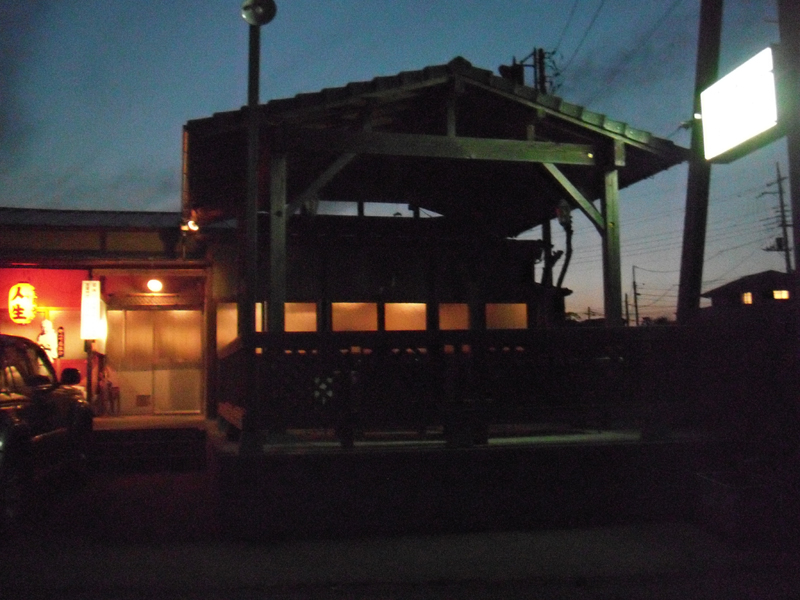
(675, 376)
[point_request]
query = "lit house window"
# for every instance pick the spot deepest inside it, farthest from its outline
(780, 294)
(354, 316)
(301, 316)
(406, 316)
(453, 317)
(747, 298)
(506, 316)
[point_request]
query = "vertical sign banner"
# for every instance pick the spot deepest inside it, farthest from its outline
(92, 313)
(61, 343)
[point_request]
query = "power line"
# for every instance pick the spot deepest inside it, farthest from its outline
(566, 26)
(585, 34)
(584, 226)
(734, 227)
(659, 293)
(660, 272)
(590, 255)
(638, 46)
(739, 264)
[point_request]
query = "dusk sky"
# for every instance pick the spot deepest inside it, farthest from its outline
(93, 96)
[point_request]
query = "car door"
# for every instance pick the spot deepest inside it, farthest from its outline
(10, 381)
(44, 410)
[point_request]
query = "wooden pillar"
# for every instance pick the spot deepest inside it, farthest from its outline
(477, 315)
(450, 109)
(324, 314)
(277, 244)
(451, 116)
(432, 305)
(547, 262)
(324, 306)
(210, 358)
(612, 279)
(381, 314)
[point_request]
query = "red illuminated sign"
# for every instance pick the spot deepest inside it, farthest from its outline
(22, 303)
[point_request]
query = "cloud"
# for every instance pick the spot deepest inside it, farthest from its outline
(656, 55)
(17, 22)
(136, 188)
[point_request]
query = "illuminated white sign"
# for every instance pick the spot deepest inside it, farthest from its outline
(93, 312)
(739, 106)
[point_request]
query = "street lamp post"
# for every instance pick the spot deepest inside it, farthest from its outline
(256, 13)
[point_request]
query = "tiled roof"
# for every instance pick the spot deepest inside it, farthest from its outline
(455, 100)
(328, 99)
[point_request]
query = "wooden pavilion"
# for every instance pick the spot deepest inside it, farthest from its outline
(489, 158)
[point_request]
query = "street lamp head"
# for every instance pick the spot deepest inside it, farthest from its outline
(259, 12)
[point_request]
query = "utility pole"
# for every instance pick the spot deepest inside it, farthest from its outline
(539, 71)
(635, 297)
(627, 312)
(516, 70)
(699, 179)
(782, 244)
(783, 219)
(788, 89)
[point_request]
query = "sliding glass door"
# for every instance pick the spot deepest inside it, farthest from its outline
(155, 357)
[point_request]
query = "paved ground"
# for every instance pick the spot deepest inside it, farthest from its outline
(156, 535)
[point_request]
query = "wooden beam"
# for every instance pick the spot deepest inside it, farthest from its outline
(434, 146)
(612, 277)
(311, 193)
(451, 116)
(666, 152)
(619, 153)
(577, 199)
(456, 90)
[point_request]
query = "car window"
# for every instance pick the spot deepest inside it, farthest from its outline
(39, 365)
(22, 362)
(16, 382)
(10, 377)
(14, 370)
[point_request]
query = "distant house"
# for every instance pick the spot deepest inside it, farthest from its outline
(769, 288)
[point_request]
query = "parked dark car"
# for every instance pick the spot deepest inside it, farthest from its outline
(44, 423)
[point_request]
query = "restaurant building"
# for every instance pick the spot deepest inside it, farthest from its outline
(149, 345)
(388, 250)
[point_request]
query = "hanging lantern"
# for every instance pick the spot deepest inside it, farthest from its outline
(22, 303)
